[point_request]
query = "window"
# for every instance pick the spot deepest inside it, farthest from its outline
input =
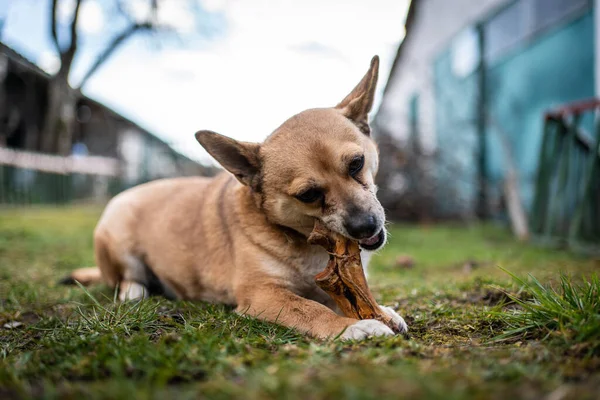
(522, 20)
(465, 53)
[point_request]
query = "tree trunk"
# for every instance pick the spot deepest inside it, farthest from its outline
(60, 115)
(64, 138)
(52, 116)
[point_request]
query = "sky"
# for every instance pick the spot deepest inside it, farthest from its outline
(237, 67)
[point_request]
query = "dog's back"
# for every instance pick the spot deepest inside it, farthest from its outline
(165, 224)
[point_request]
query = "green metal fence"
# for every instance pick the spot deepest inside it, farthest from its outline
(19, 186)
(566, 208)
(34, 178)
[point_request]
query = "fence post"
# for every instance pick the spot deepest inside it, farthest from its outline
(592, 172)
(542, 187)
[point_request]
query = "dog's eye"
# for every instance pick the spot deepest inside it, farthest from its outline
(356, 165)
(310, 196)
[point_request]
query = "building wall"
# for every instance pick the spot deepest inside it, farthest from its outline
(597, 44)
(551, 62)
(97, 129)
(436, 23)
(161, 161)
(131, 151)
(456, 99)
(145, 158)
(22, 94)
(531, 76)
(554, 69)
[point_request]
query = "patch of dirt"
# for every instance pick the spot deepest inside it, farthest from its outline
(187, 378)
(404, 261)
(29, 318)
(492, 297)
(487, 297)
(469, 265)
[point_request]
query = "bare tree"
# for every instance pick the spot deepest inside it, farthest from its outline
(57, 131)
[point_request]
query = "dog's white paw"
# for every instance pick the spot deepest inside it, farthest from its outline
(396, 319)
(131, 291)
(366, 328)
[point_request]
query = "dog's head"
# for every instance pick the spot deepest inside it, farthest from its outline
(320, 163)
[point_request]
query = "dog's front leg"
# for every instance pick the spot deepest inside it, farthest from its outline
(280, 305)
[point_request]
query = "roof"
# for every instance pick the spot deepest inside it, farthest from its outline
(116, 115)
(410, 17)
(21, 60)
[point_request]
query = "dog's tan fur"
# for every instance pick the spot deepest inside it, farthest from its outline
(243, 242)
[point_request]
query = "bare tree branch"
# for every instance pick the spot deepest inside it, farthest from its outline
(73, 44)
(112, 46)
(150, 25)
(67, 56)
(53, 23)
(154, 11)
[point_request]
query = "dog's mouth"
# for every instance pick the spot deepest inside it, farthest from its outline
(374, 242)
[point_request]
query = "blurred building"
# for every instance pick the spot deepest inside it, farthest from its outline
(99, 131)
(142, 155)
(470, 84)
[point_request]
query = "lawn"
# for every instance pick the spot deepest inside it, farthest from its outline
(476, 332)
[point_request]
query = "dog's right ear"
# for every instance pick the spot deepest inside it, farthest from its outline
(240, 158)
(357, 105)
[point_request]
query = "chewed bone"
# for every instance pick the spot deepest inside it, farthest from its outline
(343, 279)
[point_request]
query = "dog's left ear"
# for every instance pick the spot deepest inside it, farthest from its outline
(240, 158)
(357, 105)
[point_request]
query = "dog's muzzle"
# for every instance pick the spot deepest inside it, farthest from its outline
(364, 227)
(374, 242)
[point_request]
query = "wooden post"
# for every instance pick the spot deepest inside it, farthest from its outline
(592, 176)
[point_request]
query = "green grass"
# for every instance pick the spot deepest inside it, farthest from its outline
(569, 314)
(476, 331)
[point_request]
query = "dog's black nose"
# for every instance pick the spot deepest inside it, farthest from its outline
(361, 226)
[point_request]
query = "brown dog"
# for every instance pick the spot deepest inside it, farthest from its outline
(240, 238)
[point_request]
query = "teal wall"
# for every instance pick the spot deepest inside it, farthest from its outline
(456, 130)
(554, 68)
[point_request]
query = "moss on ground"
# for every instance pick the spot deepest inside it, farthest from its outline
(454, 297)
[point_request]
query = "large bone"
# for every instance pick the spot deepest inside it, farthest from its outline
(344, 279)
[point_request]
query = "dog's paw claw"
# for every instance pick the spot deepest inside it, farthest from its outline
(366, 328)
(396, 319)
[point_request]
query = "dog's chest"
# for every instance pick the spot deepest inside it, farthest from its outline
(298, 269)
(312, 262)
